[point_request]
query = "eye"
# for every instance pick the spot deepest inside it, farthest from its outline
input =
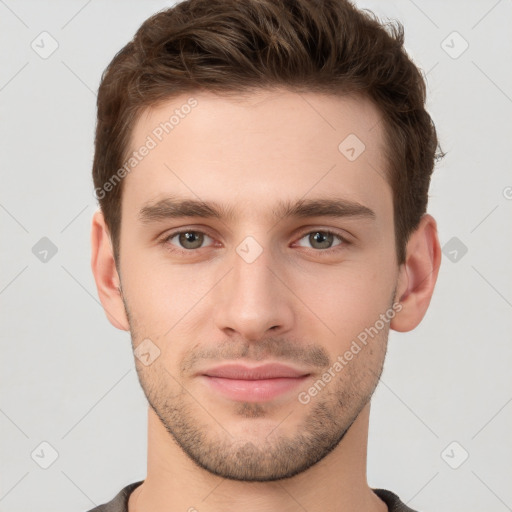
(322, 239)
(187, 240)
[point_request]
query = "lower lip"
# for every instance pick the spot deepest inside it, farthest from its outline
(253, 390)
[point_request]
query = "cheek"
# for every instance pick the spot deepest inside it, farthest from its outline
(165, 299)
(350, 300)
(153, 297)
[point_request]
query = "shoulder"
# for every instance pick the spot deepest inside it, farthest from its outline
(120, 502)
(392, 501)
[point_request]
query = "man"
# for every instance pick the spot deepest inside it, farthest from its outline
(262, 168)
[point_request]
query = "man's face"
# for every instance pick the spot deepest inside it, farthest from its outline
(259, 287)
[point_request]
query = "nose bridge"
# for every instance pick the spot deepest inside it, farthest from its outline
(251, 272)
(252, 300)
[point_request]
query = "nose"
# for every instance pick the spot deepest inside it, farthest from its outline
(253, 300)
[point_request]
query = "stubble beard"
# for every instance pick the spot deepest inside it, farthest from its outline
(275, 456)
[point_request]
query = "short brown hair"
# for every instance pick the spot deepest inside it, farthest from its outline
(235, 46)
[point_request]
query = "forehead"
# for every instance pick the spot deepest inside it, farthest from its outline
(253, 149)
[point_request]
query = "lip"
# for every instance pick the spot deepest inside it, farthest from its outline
(253, 384)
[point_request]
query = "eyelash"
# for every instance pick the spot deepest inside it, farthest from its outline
(322, 252)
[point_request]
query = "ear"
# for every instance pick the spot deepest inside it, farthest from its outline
(418, 275)
(105, 273)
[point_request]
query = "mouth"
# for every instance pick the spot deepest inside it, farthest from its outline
(253, 384)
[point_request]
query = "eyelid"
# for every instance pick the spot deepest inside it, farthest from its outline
(329, 252)
(344, 236)
(165, 240)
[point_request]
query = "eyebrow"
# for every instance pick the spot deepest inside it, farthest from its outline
(174, 208)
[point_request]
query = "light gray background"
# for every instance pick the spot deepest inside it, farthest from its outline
(67, 376)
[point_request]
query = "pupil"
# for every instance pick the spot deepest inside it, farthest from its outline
(190, 238)
(321, 238)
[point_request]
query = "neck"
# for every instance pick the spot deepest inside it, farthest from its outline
(336, 483)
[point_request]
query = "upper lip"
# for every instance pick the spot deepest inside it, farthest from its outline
(264, 371)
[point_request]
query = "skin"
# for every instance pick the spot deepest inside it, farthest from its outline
(208, 304)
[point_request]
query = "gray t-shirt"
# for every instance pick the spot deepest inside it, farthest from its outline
(120, 502)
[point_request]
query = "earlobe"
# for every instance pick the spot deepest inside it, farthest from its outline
(105, 273)
(418, 275)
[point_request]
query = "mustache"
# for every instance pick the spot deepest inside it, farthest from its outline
(270, 348)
